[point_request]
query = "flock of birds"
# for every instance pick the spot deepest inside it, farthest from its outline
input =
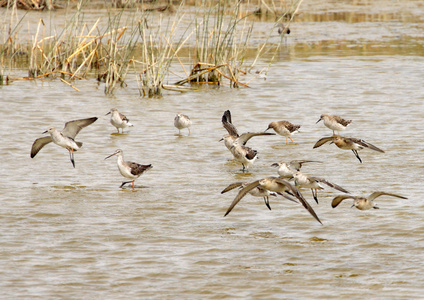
(287, 184)
(290, 178)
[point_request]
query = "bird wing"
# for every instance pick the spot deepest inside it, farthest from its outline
(366, 144)
(226, 122)
(248, 135)
(330, 184)
(39, 144)
(241, 194)
(72, 128)
(231, 187)
(378, 194)
(250, 153)
(342, 121)
(337, 200)
(137, 169)
(123, 117)
(227, 116)
(291, 127)
(297, 164)
(288, 197)
(299, 196)
(322, 141)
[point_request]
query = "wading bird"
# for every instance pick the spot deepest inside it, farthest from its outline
(129, 169)
(182, 121)
(237, 143)
(334, 122)
(119, 120)
(284, 128)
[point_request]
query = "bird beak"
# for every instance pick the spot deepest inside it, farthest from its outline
(107, 113)
(221, 140)
(274, 165)
(44, 132)
(352, 205)
(111, 155)
(318, 121)
(267, 129)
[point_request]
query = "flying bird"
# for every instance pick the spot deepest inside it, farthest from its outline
(64, 138)
(287, 170)
(362, 203)
(314, 183)
(346, 143)
(273, 184)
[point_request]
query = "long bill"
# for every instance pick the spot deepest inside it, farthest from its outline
(111, 155)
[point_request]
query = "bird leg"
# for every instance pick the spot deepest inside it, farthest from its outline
(291, 139)
(356, 154)
(124, 183)
(133, 185)
(266, 199)
(71, 156)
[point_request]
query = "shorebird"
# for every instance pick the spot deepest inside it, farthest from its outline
(182, 121)
(334, 122)
(346, 143)
(282, 28)
(363, 203)
(65, 139)
(237, 143)
(284, 128)
(314, 183)
(119, 120)
(287, 170)
(256, 192)
(273, 184)
(129, 169)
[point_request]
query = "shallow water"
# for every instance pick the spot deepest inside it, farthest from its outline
(73, 233)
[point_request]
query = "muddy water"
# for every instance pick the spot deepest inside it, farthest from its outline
(73, 233)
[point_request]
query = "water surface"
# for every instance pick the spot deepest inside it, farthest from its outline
(73, 233)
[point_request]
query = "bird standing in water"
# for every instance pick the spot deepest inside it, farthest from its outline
(182, 121)
(119, 120)
(335, 123)
(129, 169)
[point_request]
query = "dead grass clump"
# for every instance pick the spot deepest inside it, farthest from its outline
(220, 46)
